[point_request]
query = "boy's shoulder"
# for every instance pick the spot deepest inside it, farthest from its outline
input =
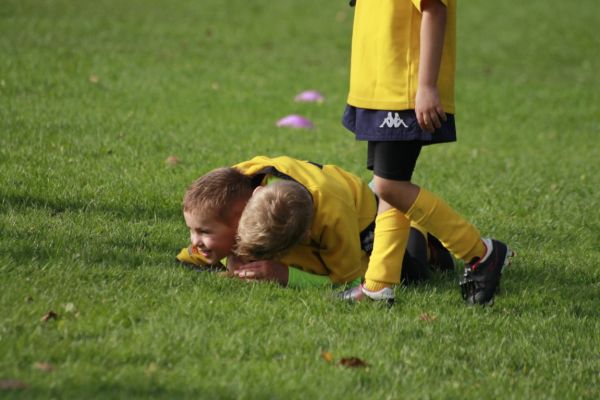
(284, 167)
(322, 180)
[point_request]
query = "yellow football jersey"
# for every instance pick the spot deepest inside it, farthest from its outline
(385, 55)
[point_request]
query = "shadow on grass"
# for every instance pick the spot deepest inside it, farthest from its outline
(125, 251)
(57, 206)
(120, 391)
(551, 288)
(114, 241)
(548, 288)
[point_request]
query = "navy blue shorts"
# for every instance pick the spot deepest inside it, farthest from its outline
(395, 139)
(382, 126)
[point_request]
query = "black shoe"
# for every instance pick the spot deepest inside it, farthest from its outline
(439, 257)
(482, 276)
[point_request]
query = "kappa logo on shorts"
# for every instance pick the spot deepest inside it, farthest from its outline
(393, 121)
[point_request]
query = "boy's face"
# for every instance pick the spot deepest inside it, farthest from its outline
(213, 238)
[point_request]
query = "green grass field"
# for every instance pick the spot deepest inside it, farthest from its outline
(96, 95)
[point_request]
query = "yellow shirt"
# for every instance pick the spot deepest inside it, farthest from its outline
(344, 205)
(385, 55)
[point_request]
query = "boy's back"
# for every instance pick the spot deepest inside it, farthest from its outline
(344, 206)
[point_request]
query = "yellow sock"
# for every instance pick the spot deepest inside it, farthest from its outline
(456, 233)
(385, 264)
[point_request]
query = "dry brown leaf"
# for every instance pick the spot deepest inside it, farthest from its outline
(327, 356)
(43, 366)
(425, 317)
(352, 362)
(12, 384)
(49, 315)
(172, 160)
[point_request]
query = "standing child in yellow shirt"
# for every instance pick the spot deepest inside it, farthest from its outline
(401, 98)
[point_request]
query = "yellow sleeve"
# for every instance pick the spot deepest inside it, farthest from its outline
(189, 255)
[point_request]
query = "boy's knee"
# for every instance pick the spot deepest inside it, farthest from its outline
(381, 187)
(399, 194)
(388, 189)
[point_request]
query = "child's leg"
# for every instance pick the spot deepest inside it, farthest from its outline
(392, 226)
(483, 262)
(456, 233)
(434, 215)
(390, 237)
(484, 259)
(414, 267)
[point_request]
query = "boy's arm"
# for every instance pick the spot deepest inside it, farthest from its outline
(340, 254)
(278, 272)
(299, 279)
(264, 270)
(428, 106)
(284, 275)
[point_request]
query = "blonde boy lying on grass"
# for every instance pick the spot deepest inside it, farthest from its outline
(293, 222)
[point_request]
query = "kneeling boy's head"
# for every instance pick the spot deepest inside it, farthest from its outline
(277, 217)
(212, 206)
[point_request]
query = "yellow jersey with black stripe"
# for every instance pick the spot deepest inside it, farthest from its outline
(344, 206)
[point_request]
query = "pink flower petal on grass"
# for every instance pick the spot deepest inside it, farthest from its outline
(295, 121)
(310, 96)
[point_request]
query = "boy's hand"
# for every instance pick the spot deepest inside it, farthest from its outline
(429, 109)
(266, 270)
(233, 263)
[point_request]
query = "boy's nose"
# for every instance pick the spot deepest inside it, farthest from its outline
(195, 239)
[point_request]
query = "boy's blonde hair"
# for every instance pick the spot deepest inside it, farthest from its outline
(276, 218)
(217, 193)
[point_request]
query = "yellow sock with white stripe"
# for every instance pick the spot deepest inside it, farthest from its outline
(456, 233)
(385, 264)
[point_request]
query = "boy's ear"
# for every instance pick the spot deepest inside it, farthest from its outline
(257, 189)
